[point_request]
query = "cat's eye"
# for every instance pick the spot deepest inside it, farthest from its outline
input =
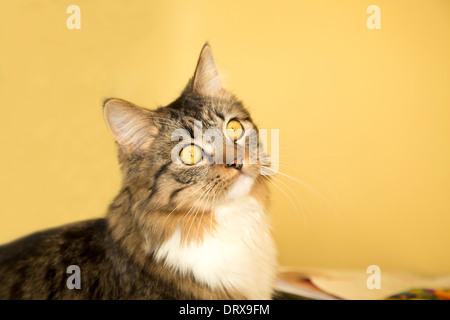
(235, 130)
(191, 154)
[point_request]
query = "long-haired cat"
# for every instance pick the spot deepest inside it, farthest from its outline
(183, 228)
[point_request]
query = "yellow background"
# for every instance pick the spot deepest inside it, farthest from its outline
(364, 115)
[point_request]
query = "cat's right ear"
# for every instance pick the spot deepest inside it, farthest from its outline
(130, 125)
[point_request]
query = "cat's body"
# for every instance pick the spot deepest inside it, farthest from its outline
(192, 230)
(108, 271)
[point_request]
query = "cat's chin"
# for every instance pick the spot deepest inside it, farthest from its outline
(241, 187)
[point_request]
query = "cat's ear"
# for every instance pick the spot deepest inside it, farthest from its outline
(206, 80)
(131, 126)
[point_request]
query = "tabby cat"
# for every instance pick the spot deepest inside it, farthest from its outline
(183, 228)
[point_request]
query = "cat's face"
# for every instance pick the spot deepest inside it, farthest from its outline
(191, 171)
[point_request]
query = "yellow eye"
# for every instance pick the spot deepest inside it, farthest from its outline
(191, 154)
(234, 130)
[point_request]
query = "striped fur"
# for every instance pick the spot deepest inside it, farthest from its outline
(174, 231)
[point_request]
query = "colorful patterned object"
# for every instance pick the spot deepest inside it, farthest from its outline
(422, 294)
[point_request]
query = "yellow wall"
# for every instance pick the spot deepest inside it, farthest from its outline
(364, 115)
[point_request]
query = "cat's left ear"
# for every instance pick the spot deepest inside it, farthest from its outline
(131, 126)
(206, 80)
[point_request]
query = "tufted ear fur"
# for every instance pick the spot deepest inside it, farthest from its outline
(206, 80)
(131, 126)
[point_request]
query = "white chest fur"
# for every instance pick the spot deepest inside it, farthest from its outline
(239, 255)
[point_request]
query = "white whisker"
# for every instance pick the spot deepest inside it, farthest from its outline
(204, 207)
(184, 200)
(290, 200)
(204, 199)
(310, 188)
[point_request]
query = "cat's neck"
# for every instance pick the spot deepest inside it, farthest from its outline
(239, 254)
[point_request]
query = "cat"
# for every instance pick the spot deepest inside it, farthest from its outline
(183, 228)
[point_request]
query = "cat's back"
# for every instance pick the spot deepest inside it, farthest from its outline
(35, 266)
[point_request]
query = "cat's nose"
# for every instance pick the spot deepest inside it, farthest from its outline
(237, 164)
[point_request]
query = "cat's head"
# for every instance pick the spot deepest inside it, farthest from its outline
(171, 171)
